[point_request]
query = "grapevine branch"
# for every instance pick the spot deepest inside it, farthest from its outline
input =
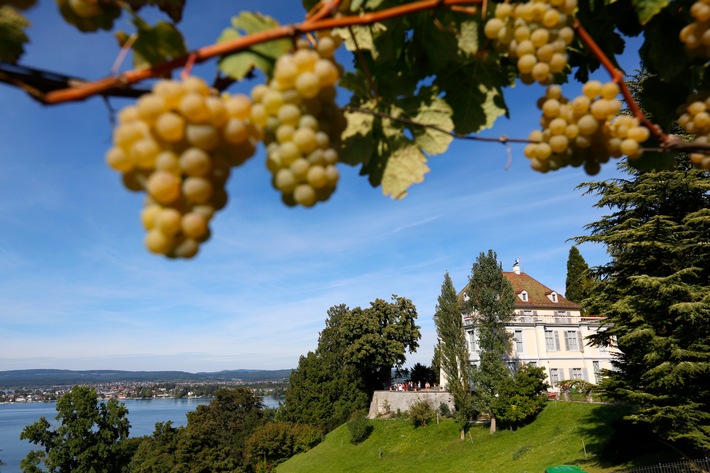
(407, 121)
(245, 42)
(321, 18)
(618, 77)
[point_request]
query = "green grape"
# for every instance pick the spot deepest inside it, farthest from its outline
(168, 161)
(119, 160)
(304, 195)
(205, 136)
(168, 221)
(163, 187)
(170, 127)
(197, 190)
(195, 162)
(308, 85)
(157, 242)
(194, 225)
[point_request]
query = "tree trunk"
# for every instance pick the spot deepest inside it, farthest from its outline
(493, 425)
(463, 435)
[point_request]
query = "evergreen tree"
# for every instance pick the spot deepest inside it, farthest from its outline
(578, 283)
(453, 354)
(522, 397)
(655, 293)
(491, 302)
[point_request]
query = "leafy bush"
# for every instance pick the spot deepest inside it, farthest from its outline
(359, 427)
(421, 413)
(444, 410)
(277, 441)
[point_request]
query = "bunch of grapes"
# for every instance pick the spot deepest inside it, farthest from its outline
(537, 34)
(584, 131)
(179, 143)
(90, 15)
(695, 119)
(696, 35)
(302, 123)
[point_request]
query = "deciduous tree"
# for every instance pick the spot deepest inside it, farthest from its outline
(356, 353)
(87, 439)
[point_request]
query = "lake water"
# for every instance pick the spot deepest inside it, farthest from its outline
(143, 416)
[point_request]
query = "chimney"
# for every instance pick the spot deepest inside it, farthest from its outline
(516, 266)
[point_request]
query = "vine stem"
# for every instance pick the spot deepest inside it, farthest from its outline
(131, 77)
(501, 139)
(618, 77)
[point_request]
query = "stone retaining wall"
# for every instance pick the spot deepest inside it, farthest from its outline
(403, 400)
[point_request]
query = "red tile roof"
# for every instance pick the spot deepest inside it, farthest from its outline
(537, 293)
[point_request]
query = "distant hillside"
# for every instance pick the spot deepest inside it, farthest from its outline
(48, 377)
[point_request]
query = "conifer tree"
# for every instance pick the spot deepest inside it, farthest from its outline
(578, 282)
(453, 354)
(655, 293)
(491, 302)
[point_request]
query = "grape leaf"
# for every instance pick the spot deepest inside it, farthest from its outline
(474, 95)
(667, 58)
(438, 46)
(12, 34)
(647, 9)
(437, 113)
(358, 143)
(156, 44)
(468, 37)
(361, 37)
(172, 8)
(262, 56)
(653, 161)
(406, 165)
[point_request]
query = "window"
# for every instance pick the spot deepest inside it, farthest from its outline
(552, 340)
(471, 336)
(553, 297)
(518, 339)
(572, 340)
(577, 373)
(554, 376)
(524, 296)
(597, 371)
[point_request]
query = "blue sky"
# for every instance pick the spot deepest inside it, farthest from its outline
(79, 291)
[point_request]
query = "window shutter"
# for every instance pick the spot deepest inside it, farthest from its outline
(557, 340)
(581, 341)
(571, 373)
(585, 376)
(567, 341)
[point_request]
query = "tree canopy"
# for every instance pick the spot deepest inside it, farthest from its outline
(490, 301)
(579, 280)
(89, 437)
(453, 354)
(356, 353)
(655, 293)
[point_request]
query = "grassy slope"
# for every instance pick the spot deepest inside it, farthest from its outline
(556, 437)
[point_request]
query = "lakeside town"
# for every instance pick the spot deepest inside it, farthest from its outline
(126, 390)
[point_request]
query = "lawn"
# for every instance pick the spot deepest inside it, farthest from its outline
(564, 433)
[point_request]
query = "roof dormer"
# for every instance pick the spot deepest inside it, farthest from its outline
(553, 296)
(523, 295)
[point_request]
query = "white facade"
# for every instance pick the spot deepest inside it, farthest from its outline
(556, 342)
(547, 331)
